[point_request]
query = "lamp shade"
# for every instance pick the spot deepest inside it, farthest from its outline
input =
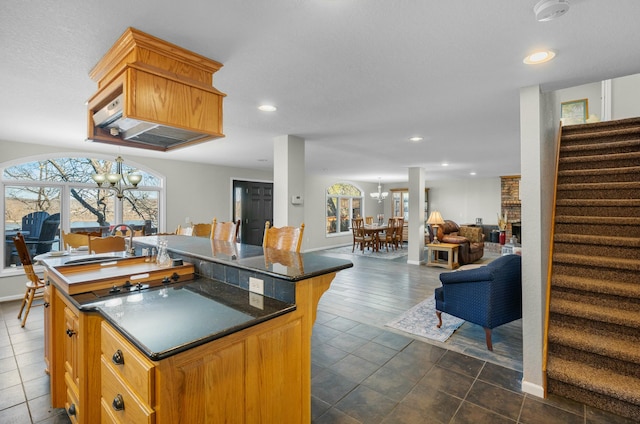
(435, 218)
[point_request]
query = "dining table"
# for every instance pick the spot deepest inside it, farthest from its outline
(374, 230)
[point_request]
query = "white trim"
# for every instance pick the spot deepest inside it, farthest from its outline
(532, 389)
(10, 298)
(605, 100)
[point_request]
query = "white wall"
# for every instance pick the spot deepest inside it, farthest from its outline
(463, 201)
(625, 93)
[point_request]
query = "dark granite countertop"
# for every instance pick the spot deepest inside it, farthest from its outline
(163, 321)
(276, 263)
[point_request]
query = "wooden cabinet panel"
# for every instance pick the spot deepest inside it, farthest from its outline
(275, 376)
(71, 346)
(48, 320)
(204, 385)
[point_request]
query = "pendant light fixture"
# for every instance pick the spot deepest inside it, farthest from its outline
(380, 195)
(118, 181)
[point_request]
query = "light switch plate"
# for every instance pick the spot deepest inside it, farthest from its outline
(256, 285)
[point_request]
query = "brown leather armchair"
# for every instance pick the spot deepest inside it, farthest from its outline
(470, 240)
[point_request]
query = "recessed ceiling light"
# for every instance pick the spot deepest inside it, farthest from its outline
(416, 139)
(547, 10)
(539, 56)
(472, 173)
(267, 108)
(445, 163)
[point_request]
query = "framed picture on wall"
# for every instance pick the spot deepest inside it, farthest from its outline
(574, 112)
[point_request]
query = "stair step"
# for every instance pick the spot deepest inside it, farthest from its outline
(574, 148)
(597, 240)
(592, 312)
(594, 379)
(597, 220)
(603, 262)
(596, 343)
(604, 203)
(600, 171)
(600, 158)
(624, 185)
(595, 285)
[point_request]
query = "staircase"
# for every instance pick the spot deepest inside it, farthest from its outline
(593, 351)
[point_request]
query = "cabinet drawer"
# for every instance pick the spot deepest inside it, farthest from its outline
(131, 366)
(114, 391)
(72, 406)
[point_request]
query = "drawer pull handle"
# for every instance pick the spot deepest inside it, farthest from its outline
(72, 409)
(70, 332)
(118, 402)
(118, 358)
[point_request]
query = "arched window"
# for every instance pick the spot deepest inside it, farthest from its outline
(65, 186)
(344, 202)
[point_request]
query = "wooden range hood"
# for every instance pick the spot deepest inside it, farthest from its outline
(163, 93)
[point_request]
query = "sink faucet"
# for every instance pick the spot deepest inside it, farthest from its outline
(131, 251)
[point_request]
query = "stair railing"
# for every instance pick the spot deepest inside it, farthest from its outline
(545, 346)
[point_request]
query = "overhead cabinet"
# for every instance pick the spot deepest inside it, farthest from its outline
(154, 95)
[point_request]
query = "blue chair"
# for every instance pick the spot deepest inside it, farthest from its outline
(47, 237)
(32, 224)
(488, 296)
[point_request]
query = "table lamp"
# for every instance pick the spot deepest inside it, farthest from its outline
(435, 220)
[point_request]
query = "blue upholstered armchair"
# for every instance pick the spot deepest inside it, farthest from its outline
(488, 296)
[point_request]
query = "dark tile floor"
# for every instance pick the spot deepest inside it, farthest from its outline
(361, 373)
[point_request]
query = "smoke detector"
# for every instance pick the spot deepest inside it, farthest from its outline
(547, 10)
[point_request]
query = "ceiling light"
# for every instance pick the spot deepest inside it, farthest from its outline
(118, 180)
(380, 195)
(416, 139)
(445, 164)
(267, 108)
(540, 56)
(472, 173)
(547, 10)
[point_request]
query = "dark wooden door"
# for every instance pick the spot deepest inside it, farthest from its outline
(253, 205)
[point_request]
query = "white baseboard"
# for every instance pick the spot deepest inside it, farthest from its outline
(10, 298)
(533, 389)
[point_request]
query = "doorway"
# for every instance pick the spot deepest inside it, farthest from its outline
(253, 205)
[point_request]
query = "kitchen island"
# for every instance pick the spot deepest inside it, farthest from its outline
(188, 343)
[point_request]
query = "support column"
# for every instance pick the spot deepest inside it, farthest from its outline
(416, 216)
(288, 181)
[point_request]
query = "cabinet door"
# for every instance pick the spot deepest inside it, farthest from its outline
(47, 327)
(71, 345)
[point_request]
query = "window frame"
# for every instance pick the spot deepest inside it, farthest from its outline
(339, 197)
(65, 192)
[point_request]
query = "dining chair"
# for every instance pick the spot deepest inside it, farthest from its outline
(389, 236)
(359, 236)
(107, 244)
(283, 238)
(186, 231)
(226, 231)
(368, 220)
(73, 240)
(201, 230)
(35, 285)
(399, 230)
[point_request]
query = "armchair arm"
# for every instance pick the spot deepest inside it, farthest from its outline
(467, 276)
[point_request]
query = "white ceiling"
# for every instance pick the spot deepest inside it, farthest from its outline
(354, 78)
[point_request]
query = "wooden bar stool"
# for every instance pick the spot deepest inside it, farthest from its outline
(35, 285)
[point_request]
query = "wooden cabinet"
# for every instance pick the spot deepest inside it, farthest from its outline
(74, 359)
(261, 374)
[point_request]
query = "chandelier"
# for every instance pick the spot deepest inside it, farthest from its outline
(118, 182)
(380, 195)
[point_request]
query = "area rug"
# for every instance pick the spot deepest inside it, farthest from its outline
(382, 254)
(421, 320)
